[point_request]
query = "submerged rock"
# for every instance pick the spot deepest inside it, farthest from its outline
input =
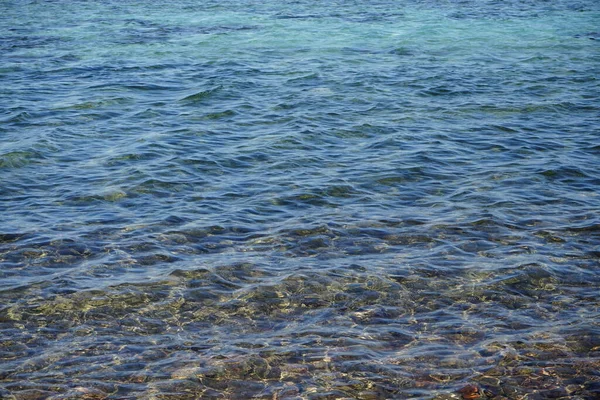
(470, 392)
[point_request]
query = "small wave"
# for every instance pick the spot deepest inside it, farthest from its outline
(18, 117)
(564, 173)
(150, 87)
(589, 35)
(200, 96)
(220, 114)
(298, 16)
(403, 51)
(19, 159)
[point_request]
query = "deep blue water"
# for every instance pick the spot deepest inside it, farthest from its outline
(299, 200)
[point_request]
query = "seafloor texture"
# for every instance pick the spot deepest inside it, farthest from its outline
(299, 200)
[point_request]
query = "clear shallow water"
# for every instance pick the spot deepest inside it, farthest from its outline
(255, 199)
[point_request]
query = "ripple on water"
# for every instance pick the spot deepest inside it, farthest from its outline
(299, 200)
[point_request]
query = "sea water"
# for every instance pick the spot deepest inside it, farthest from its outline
(299, 199)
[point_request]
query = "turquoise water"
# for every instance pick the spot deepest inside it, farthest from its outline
(299, 200)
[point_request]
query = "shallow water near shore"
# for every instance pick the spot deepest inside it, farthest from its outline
(299, 200)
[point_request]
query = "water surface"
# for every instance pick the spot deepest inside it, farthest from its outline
(369, 200)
